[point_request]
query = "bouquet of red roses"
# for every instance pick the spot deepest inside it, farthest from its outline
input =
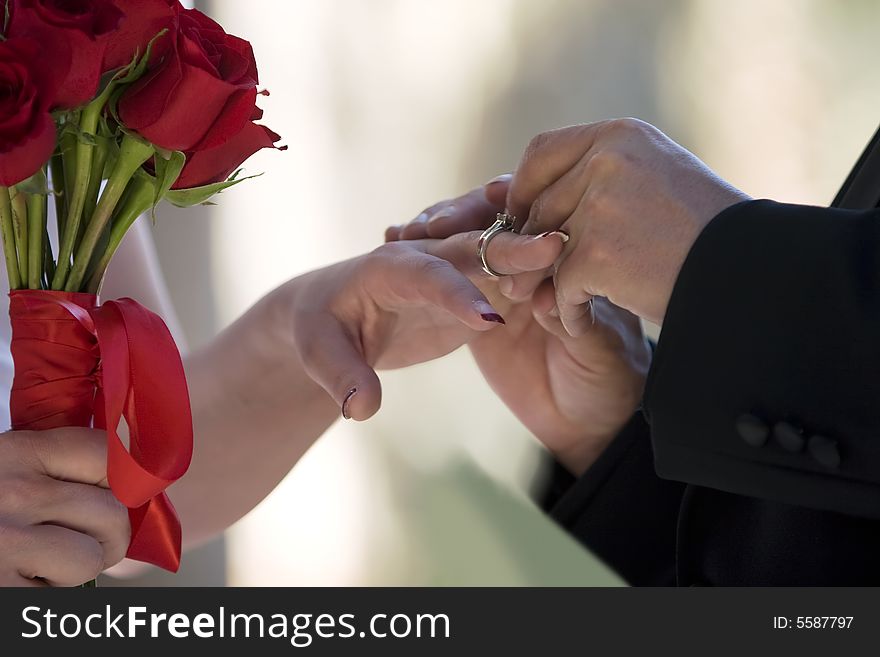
(107, 107)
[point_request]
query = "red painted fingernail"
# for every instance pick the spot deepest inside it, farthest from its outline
(345, 413)
(493, 317)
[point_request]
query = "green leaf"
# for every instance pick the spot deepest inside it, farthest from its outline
(167, 172)
(82, 137)
(36, 184)
(186, 198)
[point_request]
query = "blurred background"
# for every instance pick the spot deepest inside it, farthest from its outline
(391, 105)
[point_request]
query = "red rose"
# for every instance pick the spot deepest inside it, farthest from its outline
(74, 31)
(214, 165)
(144, 19)
(27, 91)
(201, 95)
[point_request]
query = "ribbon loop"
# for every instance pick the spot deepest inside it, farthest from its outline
(60, 342)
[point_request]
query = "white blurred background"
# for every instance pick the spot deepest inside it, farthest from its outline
(390, 105)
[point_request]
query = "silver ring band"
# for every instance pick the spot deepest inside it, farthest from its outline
(504, 223)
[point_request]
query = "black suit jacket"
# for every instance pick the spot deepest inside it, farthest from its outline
(756, 460)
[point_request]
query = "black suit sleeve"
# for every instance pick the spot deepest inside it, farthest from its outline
(766, 378)
(621, 510)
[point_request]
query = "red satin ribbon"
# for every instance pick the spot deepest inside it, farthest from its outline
(75, 359)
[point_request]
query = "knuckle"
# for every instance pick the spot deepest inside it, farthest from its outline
(120, 529)
(19, 493)
(597, 205)
(379, 257)
(118, 516)
(93, 558)
(537, 145)
(607, 162)
(628, 126)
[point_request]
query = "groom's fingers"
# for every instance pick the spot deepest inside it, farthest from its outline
(507, 253)
(546, 159)
(330, 357)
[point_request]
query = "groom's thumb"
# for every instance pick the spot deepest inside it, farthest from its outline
(330, 357)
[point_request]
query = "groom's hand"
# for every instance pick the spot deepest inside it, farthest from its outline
(574, 394)
(633, 202)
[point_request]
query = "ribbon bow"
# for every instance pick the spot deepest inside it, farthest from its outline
(64, 346)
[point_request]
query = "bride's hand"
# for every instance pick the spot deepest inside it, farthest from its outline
(573, 394)
(404, 303)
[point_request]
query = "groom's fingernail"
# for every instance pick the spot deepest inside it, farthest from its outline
(345, 412)
(448, 211)
(505, 286)
(558, 233)
(504, 177)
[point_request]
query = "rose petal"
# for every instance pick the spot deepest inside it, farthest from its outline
(217, 164)
(143, 20)
(237, 112)
(24, 160)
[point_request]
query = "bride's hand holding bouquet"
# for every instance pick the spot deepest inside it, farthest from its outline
(109, 107)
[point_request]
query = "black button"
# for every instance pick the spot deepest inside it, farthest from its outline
(753, 430)
(788, 436)
(824, 450)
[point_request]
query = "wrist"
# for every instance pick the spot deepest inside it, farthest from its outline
(579, 456)
(726, 196)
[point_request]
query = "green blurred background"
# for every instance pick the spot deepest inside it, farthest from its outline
(390, 105)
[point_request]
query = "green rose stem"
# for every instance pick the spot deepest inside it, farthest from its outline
(56, 169)
(133, 152)
(8, 239)
(48, 257)
(77, 185)
(139, 197)
(19, 226)
(36, 216)
(99, 159)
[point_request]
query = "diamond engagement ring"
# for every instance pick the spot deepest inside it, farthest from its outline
(504, 223)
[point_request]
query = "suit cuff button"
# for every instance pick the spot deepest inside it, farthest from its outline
(752, 429)
(789, 437)
(824, 451)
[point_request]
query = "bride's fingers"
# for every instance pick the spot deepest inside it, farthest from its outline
(472, 211)
(508, 253)
(417, 228)
(427, 279)
(496, 189)
(330, 357)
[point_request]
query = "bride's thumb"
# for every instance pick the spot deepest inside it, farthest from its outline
(330, 357)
